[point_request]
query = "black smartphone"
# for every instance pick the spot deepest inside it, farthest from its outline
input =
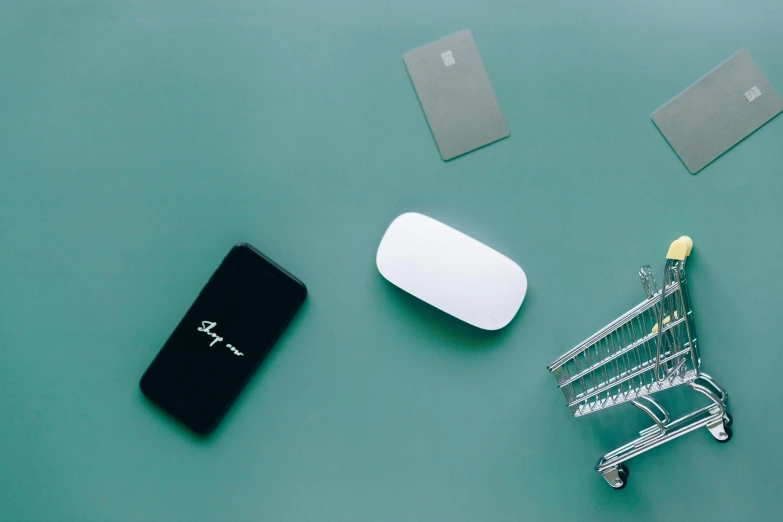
(222, 339)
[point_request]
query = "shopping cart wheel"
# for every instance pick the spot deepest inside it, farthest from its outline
(623, 472)
(720, 431)
(728, 433)
(617, 477)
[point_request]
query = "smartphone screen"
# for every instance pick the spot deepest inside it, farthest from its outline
(227, 332)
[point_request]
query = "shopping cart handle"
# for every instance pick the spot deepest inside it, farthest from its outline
(680, 249)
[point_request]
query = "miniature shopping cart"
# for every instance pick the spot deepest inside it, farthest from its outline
(651, 348)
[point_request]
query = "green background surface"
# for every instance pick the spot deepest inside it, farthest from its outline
(140, 140)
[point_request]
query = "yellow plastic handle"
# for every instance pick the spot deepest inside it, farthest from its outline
(680, 249)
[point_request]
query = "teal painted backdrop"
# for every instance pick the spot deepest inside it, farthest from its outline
(139, 140)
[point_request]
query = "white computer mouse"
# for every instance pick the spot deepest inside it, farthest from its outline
(451, 271)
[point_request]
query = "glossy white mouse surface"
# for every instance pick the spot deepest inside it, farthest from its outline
(451, 271)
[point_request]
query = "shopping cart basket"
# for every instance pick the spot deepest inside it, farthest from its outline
(651, 348)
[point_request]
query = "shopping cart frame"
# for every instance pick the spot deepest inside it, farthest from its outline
(634, 371)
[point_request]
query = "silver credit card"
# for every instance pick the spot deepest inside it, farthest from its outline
(718, 111)
(455, 93)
